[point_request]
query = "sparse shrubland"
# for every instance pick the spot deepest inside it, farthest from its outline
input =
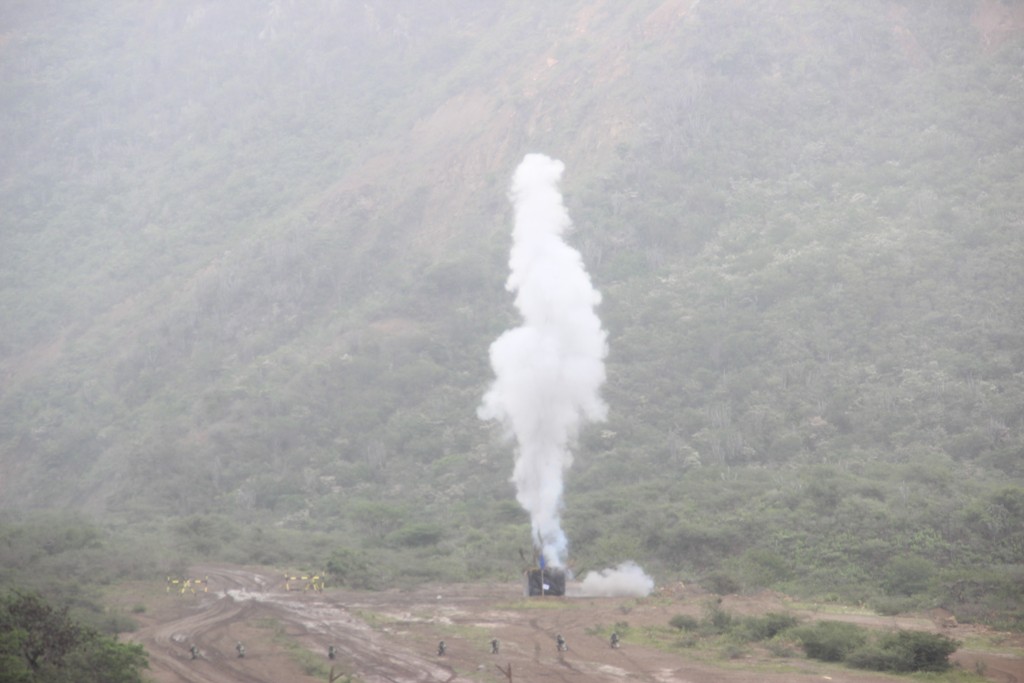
(829, 641)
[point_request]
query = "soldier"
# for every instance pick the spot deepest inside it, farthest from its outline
(562, 647)
(615, 640)
(494, 646)
(441, 649)
(240, 649)
(331, 652)
(194, 651)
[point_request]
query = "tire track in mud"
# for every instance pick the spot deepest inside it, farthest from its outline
(169, 644)
(370, 656)
(244, 597)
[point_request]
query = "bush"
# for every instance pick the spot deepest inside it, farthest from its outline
(873, 657)
(684, 622)
(768, 626)
(831, 641)
(347, 567)
(906, 652)
(717, 620)
(898, 652)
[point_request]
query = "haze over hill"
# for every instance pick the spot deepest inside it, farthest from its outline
(253, 256)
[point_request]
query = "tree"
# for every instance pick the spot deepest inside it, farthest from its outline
(41, 644)
(38, 632)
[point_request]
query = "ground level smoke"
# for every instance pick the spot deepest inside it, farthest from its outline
(626, 580)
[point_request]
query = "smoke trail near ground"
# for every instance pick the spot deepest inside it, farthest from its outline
(549, 370)
(626, 580)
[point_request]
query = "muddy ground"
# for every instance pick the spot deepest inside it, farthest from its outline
(393, 636)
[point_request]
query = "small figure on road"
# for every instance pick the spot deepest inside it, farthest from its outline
(194, 651)
(331, 652)
(614, 640)
(494, 646)
(441, 649)
(240, 649)
(562, 647)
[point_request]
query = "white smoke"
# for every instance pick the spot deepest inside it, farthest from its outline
(626, 580)
(549, 370)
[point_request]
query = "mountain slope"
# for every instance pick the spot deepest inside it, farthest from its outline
(253, 258)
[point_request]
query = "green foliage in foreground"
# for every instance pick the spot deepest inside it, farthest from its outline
(831, 641)
(719, 622)
(898, 651)
(41, 644)
(828, 641)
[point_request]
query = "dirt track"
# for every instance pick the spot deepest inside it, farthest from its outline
(393, 636)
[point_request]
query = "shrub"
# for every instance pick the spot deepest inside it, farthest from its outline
(684, 622)
(717, 620)
(349, 568)
(908, 651)
(830, 641)
(873, 657)
(768, 626)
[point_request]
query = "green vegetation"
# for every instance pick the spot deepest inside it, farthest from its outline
(718, 622)
(252, 261)
(832, 641)
(899, 651)
(828, 641)
(40, 644)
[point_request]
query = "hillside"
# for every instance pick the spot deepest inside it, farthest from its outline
(253, 257)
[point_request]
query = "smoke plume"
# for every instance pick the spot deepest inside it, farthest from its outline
(626, 580)
(549, 370)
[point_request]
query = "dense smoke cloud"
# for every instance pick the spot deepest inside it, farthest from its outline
(549, 370)
(626, 580)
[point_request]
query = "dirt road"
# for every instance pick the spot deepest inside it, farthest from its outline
(393, 636)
